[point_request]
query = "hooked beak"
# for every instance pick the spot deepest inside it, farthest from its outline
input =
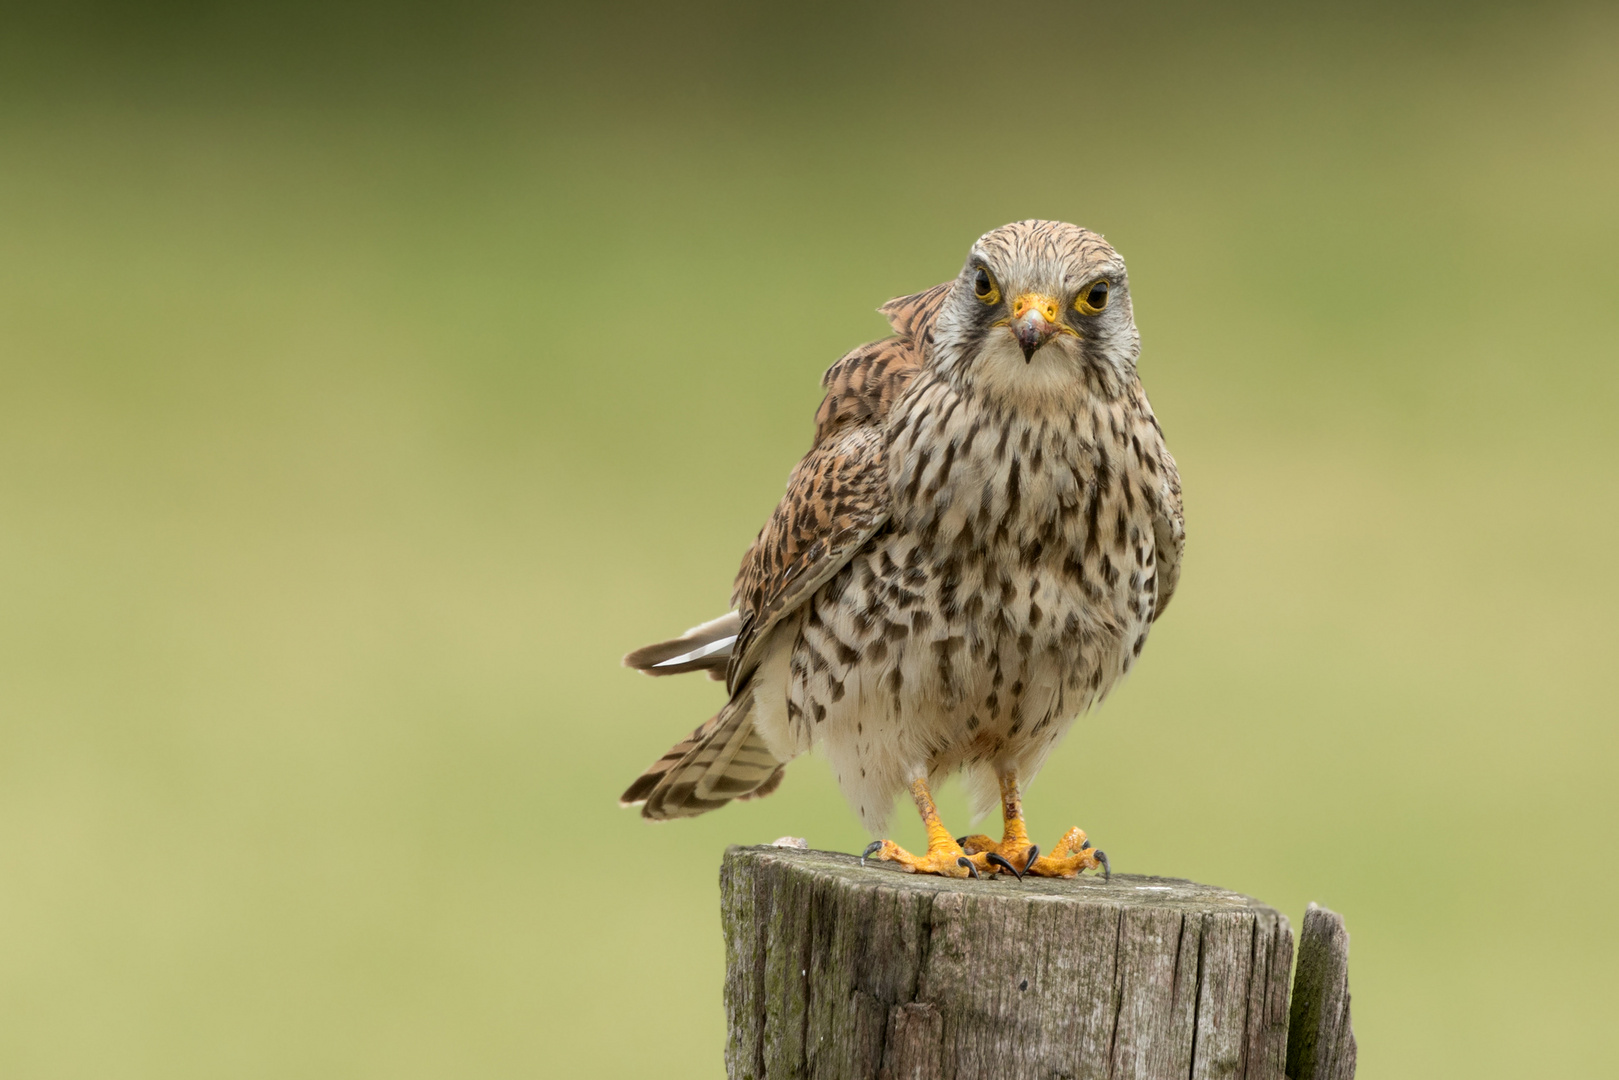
(1034, 321)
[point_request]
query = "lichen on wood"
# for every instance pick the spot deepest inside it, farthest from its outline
(1321, 1041)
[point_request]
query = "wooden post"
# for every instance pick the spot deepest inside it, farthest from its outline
(841, 971)
(1320, 1042)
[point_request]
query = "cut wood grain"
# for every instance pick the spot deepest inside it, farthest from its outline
(841, 971)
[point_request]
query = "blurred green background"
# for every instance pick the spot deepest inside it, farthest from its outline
(371, 378)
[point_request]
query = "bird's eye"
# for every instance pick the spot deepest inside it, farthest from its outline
(1093, 299)
(984, 287)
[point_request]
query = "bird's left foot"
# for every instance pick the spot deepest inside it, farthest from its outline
(1016, 855)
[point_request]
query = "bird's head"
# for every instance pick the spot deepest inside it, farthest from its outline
(1040, 311)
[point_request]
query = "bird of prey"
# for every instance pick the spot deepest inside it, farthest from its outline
(970, 555)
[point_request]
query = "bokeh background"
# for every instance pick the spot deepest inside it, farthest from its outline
(373, 377)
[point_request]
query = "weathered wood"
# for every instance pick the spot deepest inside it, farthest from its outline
(841, 971)
(1320, 1040)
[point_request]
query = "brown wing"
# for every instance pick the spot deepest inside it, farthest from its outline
(836, 500)
(837, 497)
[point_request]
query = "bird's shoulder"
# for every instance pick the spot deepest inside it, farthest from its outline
(863, 385)
(913, 316)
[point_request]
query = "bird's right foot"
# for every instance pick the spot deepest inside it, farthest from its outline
(944, 855)
(946, 859)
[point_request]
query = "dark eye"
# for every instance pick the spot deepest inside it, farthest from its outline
(1093, 299)
(984, 287)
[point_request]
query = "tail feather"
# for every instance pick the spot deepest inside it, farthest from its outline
(767, 787)
(741, 765)
(723, 759)
(702, 648)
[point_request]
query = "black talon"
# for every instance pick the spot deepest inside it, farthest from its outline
(998, 860)
(1034, 853)
(1085, 845)
(873, 846)
(1107, 871)
(968, 863)
(961, 840)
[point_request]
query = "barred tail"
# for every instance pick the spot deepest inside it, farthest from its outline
(723, 759)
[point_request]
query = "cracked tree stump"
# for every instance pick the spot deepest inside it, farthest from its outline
(846, 972)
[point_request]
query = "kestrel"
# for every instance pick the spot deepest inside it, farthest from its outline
(970, 555)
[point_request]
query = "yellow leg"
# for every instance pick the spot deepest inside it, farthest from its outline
(1072, 854)
(944, 856)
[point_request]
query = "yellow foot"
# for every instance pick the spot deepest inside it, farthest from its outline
(1016, 855)
(946, 859)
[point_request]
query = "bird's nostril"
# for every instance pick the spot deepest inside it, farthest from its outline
(1043, 306)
